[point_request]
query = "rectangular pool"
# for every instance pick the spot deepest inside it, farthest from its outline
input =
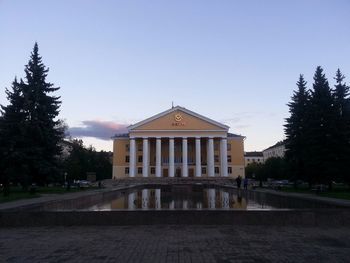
(180, 198)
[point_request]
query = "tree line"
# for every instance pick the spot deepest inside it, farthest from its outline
(317, 135)
(31, 132)
(318, 131)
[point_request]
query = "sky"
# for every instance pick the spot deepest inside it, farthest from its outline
(119, 62)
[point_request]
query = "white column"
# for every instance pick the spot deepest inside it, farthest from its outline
(223, 155)
(132, 157)
(210, 154)
(159, 157)
(145, 159)
(171, 158)
(198, 158)
(184, 158)
(157, 199)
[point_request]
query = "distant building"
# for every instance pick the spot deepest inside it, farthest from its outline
(277, 150)
(66, 148)
(253, 157)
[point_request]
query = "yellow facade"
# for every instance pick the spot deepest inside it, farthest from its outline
(178, 126)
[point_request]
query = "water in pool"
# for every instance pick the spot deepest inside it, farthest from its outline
(180, 197)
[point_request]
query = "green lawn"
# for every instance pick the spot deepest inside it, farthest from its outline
(340, 192)
(17, 193)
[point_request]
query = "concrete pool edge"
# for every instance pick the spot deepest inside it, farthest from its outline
(307, 217)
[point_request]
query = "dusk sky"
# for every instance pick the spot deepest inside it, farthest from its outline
(119, 62)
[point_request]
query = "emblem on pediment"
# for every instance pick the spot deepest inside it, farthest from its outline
(178, 117)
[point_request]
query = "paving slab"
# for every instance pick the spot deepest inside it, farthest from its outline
(164, 243)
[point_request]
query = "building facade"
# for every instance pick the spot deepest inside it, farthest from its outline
(253, 157)
(276, 150)
(178, 143)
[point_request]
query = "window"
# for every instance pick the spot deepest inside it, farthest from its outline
(127, 147)
(126, 170)
(216, 169)
(139, 170)
(153, 170)
(216, 158)
(204, 170)
(228, 158)
(248, 159)
(139, 147)
(229, 170)
(229, 146)
(127, 158)
(216, 146)
(139, 158)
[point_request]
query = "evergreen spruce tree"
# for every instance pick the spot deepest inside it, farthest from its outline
(13, 145)
(321, 132)
(295, 128)
(342, 108)
(38, 129)
(43, 129)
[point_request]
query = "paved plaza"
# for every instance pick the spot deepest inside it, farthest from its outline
(165, 243)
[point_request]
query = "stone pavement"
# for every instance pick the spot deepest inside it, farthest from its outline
(164, 243)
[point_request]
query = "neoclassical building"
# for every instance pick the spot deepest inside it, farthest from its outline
(178, 143)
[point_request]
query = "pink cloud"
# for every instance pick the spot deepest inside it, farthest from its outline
(98, 129)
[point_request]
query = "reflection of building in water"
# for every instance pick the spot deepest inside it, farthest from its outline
(225, 199)
(131, 201)
(237, 201)
(118, 203)
(210, 198)
(145, 200)
(178, 143)
(157, 199)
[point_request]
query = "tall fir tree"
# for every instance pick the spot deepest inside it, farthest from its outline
(295, 129)
(342, 108)
(13, 144)
(321, 132)
(41, 130)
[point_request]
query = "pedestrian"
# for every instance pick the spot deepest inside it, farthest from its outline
(239, 181)
(245, 183)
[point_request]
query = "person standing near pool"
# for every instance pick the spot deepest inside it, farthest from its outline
(245, 183)
(239, 181)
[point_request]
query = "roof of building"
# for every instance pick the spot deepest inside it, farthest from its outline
(253, 154)
(121, 135)
(230, 135)
(280, 143)
(223, 126)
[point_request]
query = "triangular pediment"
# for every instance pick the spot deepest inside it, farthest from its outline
(178, 118)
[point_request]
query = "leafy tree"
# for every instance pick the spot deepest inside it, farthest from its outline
(295, 128)
(321, 132)
(83, 160)
(342, 108)
(276, 168)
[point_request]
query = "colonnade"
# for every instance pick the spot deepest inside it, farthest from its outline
(171, 164)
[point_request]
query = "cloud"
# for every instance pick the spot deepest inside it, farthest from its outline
(98, 129)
